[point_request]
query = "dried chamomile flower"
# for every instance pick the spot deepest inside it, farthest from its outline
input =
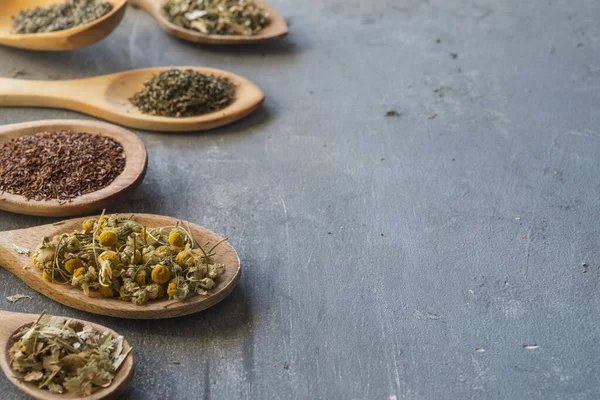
(160, 274)
(72, 265)
(176, 239)
(108, 239)
(105, 291)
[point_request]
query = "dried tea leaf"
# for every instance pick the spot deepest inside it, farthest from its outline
(59, 165)
(58, 17)
(184, 93)
(218, 17)
(16, 297)
(55, 388)
(21, 250)
(63, 355)
(33, 376)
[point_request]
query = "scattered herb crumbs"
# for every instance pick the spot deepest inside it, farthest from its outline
(392, 113)
(16, 297)
(21, 250)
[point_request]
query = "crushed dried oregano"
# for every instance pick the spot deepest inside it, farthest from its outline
(63, 355)
(122, 258)
(184, 93)
(218, 17)
(58, 17)
(59, 165)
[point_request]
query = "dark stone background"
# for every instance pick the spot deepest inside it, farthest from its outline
(379, 252)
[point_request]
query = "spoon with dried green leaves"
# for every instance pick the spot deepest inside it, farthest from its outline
(55, 25)
(217, 21)
(140, 266)
(159, 99)
(52, 358)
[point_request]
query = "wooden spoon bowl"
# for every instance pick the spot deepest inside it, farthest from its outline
(107, 97)
(12, 322)
(72, 296)
(132, 175)
(277, 28)
(69, 39)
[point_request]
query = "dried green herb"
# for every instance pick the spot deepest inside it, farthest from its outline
(184, 93)
(21, 250)
(63, 355)
(58, 17)
(16, 297)
(59, 165)
(218, 17)
(120, 257)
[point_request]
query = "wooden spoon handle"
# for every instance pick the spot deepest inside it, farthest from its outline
(20, 92)
(9, 258)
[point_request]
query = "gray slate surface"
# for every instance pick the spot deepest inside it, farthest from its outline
(379, 252)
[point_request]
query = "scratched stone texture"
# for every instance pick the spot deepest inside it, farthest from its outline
(422, 256)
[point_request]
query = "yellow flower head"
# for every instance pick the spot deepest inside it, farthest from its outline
(140, 278)
(161, 274)
(108, 239)
(73, 264)
(88, 225)
(112, 257)
(106, 291)
(172, 289)
(47, 275)
(176, 239)
(138, 257)
(79, 272)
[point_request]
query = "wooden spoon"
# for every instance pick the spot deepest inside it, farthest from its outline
(277, 27)
(72, 296)
(132, 175)
(12, 322)
(107, 97)
(69, 39)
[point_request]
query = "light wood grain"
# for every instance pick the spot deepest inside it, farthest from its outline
(107, 97)
(132, 175)
(277, 28)
(71, 296)
(69, 39)
(11, 322)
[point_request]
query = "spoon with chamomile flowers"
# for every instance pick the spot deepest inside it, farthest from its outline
(196, 25)
(172, 99)
(25, 147)
(55, 25)
(27, 359)
(140, 266)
